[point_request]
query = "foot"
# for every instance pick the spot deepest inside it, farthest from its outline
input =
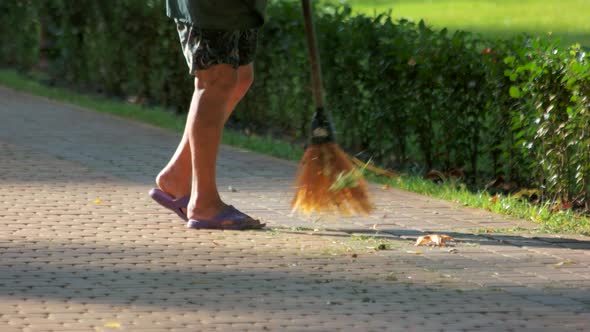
(228, 218)
(173, 186)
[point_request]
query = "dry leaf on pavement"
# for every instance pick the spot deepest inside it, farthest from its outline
(414, 252)
(436, 239)
(115, 325)
(566, 262)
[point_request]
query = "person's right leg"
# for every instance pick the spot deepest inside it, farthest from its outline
(175, 177)
(214, 88)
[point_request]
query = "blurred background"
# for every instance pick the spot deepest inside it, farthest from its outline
(562, 19)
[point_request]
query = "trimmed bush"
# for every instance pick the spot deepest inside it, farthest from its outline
(552, 118)
(19, 33)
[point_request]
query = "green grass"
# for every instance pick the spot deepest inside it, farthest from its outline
(565, 19)
(562, 222)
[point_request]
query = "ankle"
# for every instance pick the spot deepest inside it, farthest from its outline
(205, 201)
(205, 208)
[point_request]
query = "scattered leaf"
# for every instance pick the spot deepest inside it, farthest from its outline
(115, 325)
(385, 186)
(414, 252)
(453, 251)
(374, 227)
(354, 255)
(436, 239)
(494, 198)
(566, 262)
(98, 201)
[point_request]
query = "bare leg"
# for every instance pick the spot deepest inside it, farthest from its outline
(214, 88)
(245, 79)
(175, 178)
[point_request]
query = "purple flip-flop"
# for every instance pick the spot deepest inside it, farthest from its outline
(229, 218)
(170, 202)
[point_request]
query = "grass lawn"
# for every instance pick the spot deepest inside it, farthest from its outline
(565, 19)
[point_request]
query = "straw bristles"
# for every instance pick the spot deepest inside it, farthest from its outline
(318, 170)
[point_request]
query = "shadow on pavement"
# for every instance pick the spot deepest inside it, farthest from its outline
(488, 239)
(267, 283)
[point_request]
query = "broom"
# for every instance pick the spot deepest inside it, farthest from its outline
(326, 179)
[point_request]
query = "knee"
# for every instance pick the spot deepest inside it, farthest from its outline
(219, 79)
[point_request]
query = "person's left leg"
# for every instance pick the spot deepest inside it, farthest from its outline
(175, 177)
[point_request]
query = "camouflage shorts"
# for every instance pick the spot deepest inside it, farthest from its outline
(203, 48)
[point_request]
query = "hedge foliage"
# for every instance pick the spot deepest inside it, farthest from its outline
(400, 92)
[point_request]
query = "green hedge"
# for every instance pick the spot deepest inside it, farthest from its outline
(19, 33)
(400, 92)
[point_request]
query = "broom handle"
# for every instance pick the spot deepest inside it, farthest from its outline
(314, 57)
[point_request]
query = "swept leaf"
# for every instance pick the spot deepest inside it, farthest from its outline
(434, 239)
(349, 179)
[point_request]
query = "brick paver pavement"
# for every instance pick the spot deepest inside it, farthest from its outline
(83, 248)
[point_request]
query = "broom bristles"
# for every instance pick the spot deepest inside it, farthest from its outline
(320, 166)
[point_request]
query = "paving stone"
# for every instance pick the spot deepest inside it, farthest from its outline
(82, 247)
